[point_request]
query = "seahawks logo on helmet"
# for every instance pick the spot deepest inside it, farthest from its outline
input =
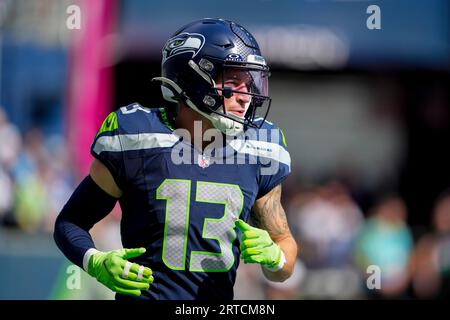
(183, 43)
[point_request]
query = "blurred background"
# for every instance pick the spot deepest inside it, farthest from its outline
(366, 113)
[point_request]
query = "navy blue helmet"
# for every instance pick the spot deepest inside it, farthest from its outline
(199, 57)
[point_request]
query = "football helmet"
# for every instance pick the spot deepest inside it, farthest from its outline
(210, 60)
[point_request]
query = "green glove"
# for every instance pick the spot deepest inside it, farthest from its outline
(114, 271)
(258, 247)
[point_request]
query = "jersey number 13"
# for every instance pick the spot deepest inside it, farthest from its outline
(177, 194)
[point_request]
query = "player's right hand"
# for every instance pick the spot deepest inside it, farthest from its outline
(114, 271)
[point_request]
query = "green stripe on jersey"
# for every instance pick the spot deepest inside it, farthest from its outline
(110, 124)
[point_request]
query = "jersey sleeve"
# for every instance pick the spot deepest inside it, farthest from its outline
(107, 148)
(275, 165)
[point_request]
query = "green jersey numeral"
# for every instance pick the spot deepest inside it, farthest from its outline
(177, 194)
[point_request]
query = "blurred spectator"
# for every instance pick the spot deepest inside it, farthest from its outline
(32, 153)
(386, 241)
(9, 151)
(431, 277)
(325, 222)
(6, 194)
(10, 136)
(43, 181)
(31, 199)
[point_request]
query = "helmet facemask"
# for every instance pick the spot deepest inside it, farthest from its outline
(246, 85)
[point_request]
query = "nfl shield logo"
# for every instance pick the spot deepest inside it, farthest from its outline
(203, 161)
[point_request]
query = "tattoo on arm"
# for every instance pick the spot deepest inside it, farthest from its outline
(268, 214)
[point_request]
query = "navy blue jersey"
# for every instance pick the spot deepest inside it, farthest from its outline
(180, 204)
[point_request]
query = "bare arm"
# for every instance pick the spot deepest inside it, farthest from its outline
(103, 178)
(268, 214)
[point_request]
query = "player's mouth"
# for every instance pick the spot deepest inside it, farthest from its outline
(238, 113)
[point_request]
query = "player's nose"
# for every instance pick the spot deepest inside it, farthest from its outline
(243, 97)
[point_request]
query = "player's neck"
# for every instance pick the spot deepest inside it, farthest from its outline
(187, 119)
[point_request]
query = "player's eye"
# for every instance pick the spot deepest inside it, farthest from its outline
(232, 83)
(237, 85)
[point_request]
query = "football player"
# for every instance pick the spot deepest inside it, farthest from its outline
(185, 223)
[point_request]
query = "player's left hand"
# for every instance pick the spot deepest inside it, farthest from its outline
(257, 246)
